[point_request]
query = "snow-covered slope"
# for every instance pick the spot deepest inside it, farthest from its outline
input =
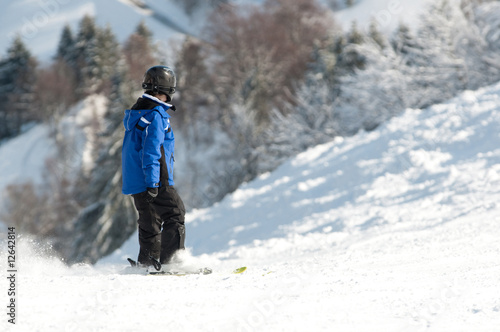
(40, 23)
(392, 230)
(23, 158)
(422, 169)
(387, 14)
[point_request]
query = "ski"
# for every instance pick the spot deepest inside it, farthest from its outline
(240, 270)
(158, 270)
(202, 271)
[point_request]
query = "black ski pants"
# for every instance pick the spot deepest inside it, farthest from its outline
(161, 225)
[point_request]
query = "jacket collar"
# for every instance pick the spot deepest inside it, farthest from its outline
(156, 100)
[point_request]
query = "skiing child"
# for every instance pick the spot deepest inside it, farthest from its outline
(147, 166)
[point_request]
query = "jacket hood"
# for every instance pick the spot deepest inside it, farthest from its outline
(142, 108)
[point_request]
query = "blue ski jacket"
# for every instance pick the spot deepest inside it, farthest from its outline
(148, 146)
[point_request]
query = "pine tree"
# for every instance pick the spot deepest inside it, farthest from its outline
(355, 36)
(86, 59)
(376, 35)
(98, 53)
(406, 44)
(17, 84)
(325, 62)
(143, 31)
(479, 46)
(373, 94)
(56, 85)
(193, 81)
(348, 57)
(66, 47)
(108, 59)
(440, 72)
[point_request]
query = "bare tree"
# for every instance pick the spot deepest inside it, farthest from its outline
(55, 90)
(262, 52)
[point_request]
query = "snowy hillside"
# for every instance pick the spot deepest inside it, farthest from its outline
(422, 169)
(388, 14)
(23, 158)
(40, 23)
(392, 230)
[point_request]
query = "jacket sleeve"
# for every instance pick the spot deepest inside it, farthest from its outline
(153, 138)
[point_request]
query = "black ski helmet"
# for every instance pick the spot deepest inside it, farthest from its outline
(160, 79)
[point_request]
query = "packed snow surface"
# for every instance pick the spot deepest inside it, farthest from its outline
(390, 230)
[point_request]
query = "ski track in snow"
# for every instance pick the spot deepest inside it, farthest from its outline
(391, 230)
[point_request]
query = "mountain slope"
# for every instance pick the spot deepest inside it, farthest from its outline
(387, 14)
(24, 158)
(40, 23)
(392, 230)
(422, 169)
